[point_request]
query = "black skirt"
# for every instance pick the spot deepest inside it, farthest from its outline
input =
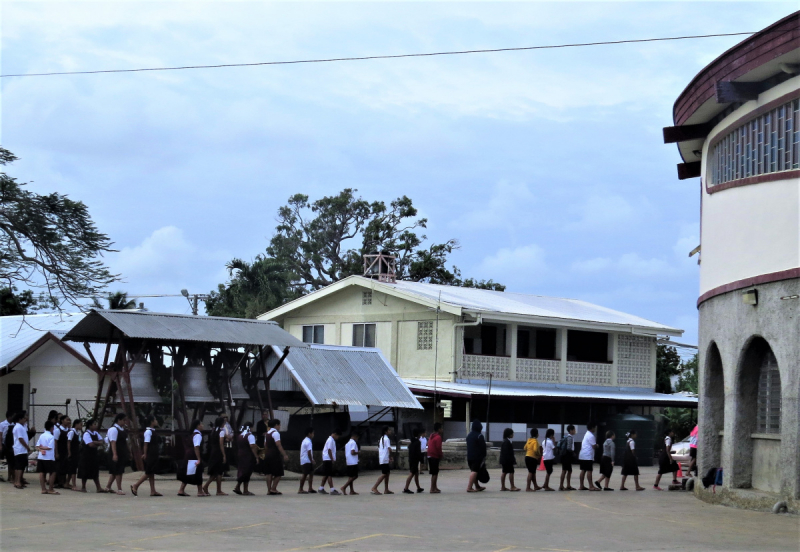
(89, 467)
(195, 479)
(606, 466)
(664, 464)
(630, 466)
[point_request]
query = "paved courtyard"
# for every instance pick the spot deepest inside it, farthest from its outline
(454, 520)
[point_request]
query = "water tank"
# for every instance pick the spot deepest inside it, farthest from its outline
(646, 431)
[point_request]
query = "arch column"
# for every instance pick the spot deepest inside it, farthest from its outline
(790, 421)
(711, 409)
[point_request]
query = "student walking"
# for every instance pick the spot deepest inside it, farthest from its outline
(246, 458)
(46, 460)
(118, 457)
(549, 457)
(307, 462)
(607, 461)
(384, 459)
(567, 446)
(423, 445)
(216, 456)
(21, 448)
(586, 457)
(73, 453)
(351, 459)
(476, 456)
(62, 449)
(532, 456)
(191, 469)
(89, 467)
(693, 450)
(150, 454)
(435, 456)
(630, 466)
(7, 443)
(665, 462)
(328, 458)
(275, 456)
(414, 460)
(507, 461)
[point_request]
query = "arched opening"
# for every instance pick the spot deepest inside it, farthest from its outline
(713, 405)
(756, 452)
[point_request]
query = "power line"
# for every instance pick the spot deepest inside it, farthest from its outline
(366, 58)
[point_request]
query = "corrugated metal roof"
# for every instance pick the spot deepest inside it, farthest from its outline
(518, 390)
(98, 325)
(17, 333)
(330, 374)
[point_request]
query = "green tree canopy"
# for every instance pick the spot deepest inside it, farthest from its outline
(254, 289)
(668, 364)
(116, 301)
(14, 303)
(49, 242)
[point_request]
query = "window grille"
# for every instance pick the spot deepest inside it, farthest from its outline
(366, 298)
(424, 336)
(769, 396)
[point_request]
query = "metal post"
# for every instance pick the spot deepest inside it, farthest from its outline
(488, 404)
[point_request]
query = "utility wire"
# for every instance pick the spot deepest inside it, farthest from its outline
(365, 58)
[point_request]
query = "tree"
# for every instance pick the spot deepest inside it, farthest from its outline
(49, 242)
(13, 303)
(688, 378)
(667, 364)
(116, 301)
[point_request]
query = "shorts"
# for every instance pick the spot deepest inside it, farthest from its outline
(606, 466)
(308, 469)
(46, 466)
(352, 471)
(586, 465)
(692, 452)
(508, 468)
(413, 468)
(385, 469)
(531, 463)
(475, 466)
(548, 465)
(327, 468)
(20, 462)
(566, 462)
(433, 466)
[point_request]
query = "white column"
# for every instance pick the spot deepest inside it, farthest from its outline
(512, 366)
(561, 345)
(613, 353)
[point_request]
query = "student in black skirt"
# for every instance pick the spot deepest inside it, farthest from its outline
(118, 456)
(192, 462)
(607, 461)
(150, 453)
(216, 456)
(275, 456)
(62, 446)
(73, 453)
(246, 458)
(507, 461)
(414, 459)
(630, 466)
(665, 462)
(567, 457)
(89, 467)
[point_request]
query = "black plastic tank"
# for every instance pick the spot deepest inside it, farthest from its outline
(646, 431)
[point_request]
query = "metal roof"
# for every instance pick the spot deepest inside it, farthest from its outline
(552, 391)
(357, 376)
(99, 326)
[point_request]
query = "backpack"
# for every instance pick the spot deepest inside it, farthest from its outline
(561, 448)
(8, 443)
(710, 477)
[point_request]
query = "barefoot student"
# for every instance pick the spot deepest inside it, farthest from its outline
(630, 466)
(549, 457)
(665, 462)
(507, 461)
(247, 458)
(46, 460)
(414, 460)
(275, 456)
(307, 462)
(73, 453)
(567, 455)
(150, 454)
(586, 457)
(476, 456)
(533, 453)
(351, 458)
(384, 460)
(328, 458)
(607, 461)
(191, 470)
(216, 456)
(435, 456)
(89, 467)
(118, 454)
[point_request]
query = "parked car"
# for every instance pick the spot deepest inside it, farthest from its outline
(680, 453)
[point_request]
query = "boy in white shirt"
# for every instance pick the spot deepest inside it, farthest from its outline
(307, 462)
(384, 459)
(328, 458)
(351, 458)
(586, 456)
(21, 448)
(423, 442)
(46, 460)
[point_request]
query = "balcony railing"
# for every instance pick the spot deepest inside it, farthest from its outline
(537, 369)
(479, 367)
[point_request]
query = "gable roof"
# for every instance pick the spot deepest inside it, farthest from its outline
(497, 305)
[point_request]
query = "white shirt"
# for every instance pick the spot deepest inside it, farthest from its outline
(57, 431)
(349, 448)
(148, 434)
(276, 435)
(20, 432)
(112, 433)
(46, 439)
(423, 443)
(90, 436)
(197, 438)
(668, 442)
(631, 444)
(70, 434)
(251, 439)
(548, 449)
(329, 451)
(587, 447)
(305, 449)
(4, 428)
(384, 447)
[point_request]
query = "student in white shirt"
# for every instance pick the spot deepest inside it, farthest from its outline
(423, 443)
(548, 456)
(21, 448)
(247, 458)
(586, 457)
(665, 462)
(46, 459)
(307, 462)
(150, 456)
(191, 469)
(217, 456)
(351, 459)
(630, 466)
(328, 458)
(118, 456)
(275, 457)
(384, 459)
(73, 448)
(89, 466)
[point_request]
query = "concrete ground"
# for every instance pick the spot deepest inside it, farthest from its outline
(453, 520)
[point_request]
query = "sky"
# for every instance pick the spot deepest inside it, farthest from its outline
(547, 166)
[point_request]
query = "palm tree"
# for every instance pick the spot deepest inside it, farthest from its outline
(116, 301)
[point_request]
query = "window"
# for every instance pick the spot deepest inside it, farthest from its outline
(314, 334)
(424, 336)
(769, 397)
(587, 346)
(363, 335)
(546, 344)
(366, 298)
(767, 144)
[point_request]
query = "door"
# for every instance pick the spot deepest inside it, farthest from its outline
(16, 393)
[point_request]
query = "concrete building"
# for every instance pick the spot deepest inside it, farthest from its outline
(737, 126)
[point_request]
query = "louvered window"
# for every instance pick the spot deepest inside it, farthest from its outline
(769, 397)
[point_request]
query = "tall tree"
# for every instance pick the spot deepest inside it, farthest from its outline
(254, 289)
(688, 376)
(667, 364)
(14, 303)
(49, 242)
(116, 301)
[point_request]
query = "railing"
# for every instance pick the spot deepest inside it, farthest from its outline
(588, 373)
(537, 369)
(479, 366)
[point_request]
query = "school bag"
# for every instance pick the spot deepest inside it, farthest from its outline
(709, 477)
(561, 448)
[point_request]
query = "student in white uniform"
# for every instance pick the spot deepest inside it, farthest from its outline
(21, 448)
(307, 462)
(150, 456)
(384, 459)
(276, 456)
(118, 458)
(3, 430)
(665, 462)
(423, 443)
(586, 457)
(73, 453)
(89, 466)
(328, 458)
(351, 458)
(46, 459)
(548, 456)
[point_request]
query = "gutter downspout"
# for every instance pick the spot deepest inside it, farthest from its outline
(478, 322)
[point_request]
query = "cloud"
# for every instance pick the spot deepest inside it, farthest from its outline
(517, 268)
